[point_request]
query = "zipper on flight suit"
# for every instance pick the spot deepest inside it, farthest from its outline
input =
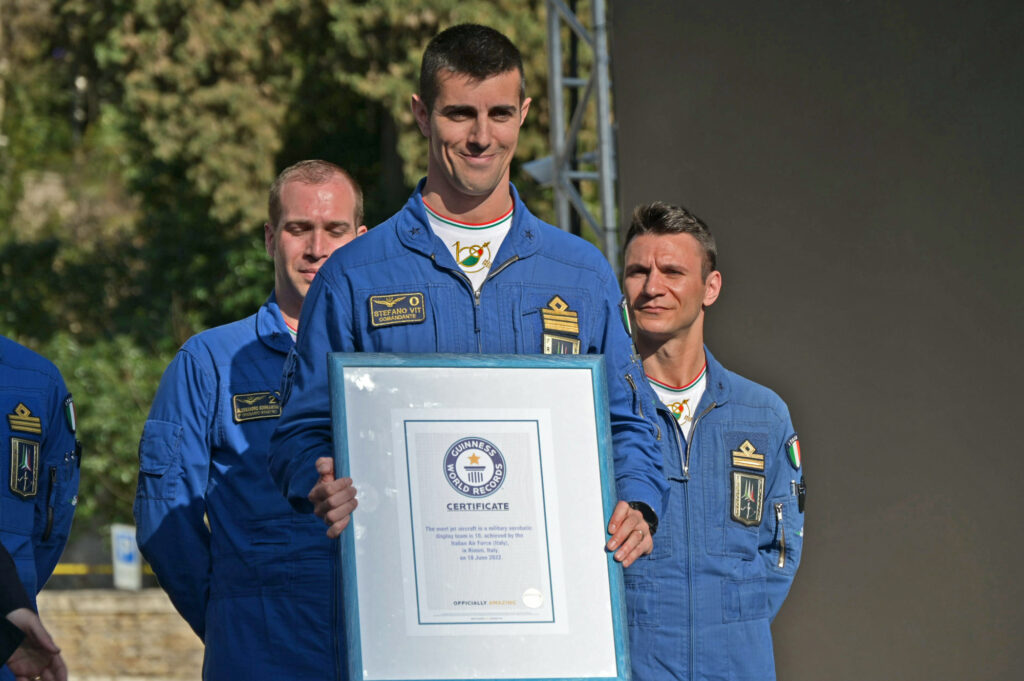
(782, 535)
(636, 395)
(476, 294)
(693, 429)
(689, 528)
(49, 503)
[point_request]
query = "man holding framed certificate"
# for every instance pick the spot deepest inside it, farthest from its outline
(464, 267)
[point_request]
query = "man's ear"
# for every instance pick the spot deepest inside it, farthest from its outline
(360, 230)
(712, 287)
(523, 109)
(268, 238)
(421, 114)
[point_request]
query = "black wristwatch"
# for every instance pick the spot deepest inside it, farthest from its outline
(648, 513)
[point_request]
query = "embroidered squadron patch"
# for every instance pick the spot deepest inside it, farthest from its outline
(24, 467)
(254, 406)
(21, 419)
(561, 328)
(397, 308)
(747, 498)
(793, 452)
(747, 457)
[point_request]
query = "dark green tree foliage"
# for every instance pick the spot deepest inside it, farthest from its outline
(139, 140)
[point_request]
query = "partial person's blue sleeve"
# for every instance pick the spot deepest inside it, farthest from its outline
(170, 503)
(637, 456)
(781, 538)
(303, 432)
(58, 483)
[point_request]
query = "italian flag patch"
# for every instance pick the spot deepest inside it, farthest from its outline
(69, 413)
(793, 452)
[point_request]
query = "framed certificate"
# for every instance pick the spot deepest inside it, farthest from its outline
(485, 485)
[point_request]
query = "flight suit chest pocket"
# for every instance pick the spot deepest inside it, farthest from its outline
(733, 460)
(159, 456)
(249, 414)
(548, 320)
(410, 318)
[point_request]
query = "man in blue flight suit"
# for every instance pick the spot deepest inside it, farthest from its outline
(40, 467)
(729, 541)
(256, 575)
(476, 273)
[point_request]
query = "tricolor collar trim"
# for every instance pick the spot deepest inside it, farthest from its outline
(468, 225)
(666, 386)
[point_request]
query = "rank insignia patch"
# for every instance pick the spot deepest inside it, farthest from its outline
(24, 467)
(397, 308)
(793, 452)
(561, 328)
(747, 498)
(254, 406)
(747, 457)
(21, 419)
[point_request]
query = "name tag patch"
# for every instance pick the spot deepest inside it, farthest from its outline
(254, 406)
(397, 308)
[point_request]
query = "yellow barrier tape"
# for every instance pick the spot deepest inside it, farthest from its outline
(83, 569)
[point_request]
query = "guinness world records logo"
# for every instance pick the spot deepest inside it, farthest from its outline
(474, 467)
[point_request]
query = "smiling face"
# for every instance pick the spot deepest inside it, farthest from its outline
(665, 288)
(472, 130)
(315, 220)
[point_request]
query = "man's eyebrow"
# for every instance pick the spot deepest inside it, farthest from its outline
(458, 109)
(305, 222)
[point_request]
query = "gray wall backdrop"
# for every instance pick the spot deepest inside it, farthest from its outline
(860, 164)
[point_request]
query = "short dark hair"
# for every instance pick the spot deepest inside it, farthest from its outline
(471, 50)
(663, 218)
(311, 172)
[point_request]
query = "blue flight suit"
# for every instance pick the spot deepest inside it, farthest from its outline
(701, 604)
(256, 584)
(539, 272)
(40, 465)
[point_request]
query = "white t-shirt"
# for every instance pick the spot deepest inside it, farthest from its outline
(682, 401)
(472, 246)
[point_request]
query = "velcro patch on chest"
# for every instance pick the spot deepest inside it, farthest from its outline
(254, 406)
(22, 419)
(397, 308)
(747, 456)
(561, 328)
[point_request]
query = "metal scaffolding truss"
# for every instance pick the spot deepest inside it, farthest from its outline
(567, 159)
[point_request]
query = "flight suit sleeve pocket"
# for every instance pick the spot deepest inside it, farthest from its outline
(159, 450)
